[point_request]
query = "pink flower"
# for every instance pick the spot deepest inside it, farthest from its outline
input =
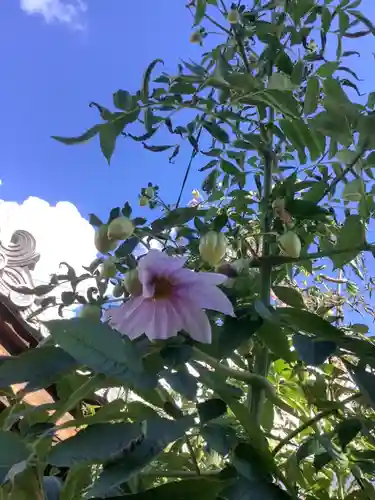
(172, 299)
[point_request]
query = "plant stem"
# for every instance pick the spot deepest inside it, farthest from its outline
(278, 260)
(192, 455)
(181, 473)
(188, 168)
(311, 422)
(261, 364)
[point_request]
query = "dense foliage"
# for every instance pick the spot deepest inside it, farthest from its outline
(281, 403)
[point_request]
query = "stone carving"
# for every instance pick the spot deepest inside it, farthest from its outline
(17, 260)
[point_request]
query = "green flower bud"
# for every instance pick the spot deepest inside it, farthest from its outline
(150, 192)
(120, 228)
(212, 247)
(118, 290)
(90, 311)
(143, 201)
(290, 244)
(131, 283)
(108, 268)
(102, 243)
(233, 16)
(196, 37)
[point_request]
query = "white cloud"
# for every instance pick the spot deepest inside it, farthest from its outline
(70, 12)
(61, 234)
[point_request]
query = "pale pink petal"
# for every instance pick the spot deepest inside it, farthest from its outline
(207, 297)
(195, 321)
(158, 326)
(138, 322)
(187, 276)
(158, 263)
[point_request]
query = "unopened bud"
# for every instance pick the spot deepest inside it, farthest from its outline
(196, 37)
(290, 244)
(212, 247)
(233, 16)
(150, 192)
(131, 283)
(102, 243)
(143, 201)
(90, 311)
(120, 228)
(108, 268)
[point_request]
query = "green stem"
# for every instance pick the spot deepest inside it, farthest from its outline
(181, 473)
(218, 25)
(278, 260)
(311, 422)
(192, 455)
(261, 364)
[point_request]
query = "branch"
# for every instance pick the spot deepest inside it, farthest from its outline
(311, 422)
(278, 260)
(330, 189)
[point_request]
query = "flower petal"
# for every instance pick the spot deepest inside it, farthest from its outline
(187, 276)
(195, 321)
(208, 297)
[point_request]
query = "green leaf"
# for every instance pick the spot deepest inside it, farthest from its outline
(102, 349)
(326, 19)
(351, 233)
(183, 382)
(146, 80)
(156, 149)
(311, 96)
(289, 296)
(158, 434)
(187, 489)
(327, 69)
(12, 449)
(280, 81)
(309, 323)
(127, 247)
(86, 136)
(108, 134)
(217, 132)
(228, 167)
(122, 99)
(282, 101)
(78, 478)
(275, 338)
(311, 351)
(292, 132)
(347, 430)
(177, 217)
(86, 447)
(219, 437)
(40, 367)
(366, 383)
(306, 209)
(211, 409)
(200, 11)
(244, 489)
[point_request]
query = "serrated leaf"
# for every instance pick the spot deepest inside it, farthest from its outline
(85, 446)
(159, 432)
(102, 349)
(86, 136)
(39, 367)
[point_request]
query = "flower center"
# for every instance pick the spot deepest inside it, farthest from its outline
(163, 288)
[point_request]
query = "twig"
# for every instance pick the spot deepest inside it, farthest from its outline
(311, 422)
(192, 455)
(188, 168)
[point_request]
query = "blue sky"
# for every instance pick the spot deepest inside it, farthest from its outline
(52, 67)
(52, 70)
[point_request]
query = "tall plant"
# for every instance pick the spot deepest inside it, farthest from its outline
(279, 403)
